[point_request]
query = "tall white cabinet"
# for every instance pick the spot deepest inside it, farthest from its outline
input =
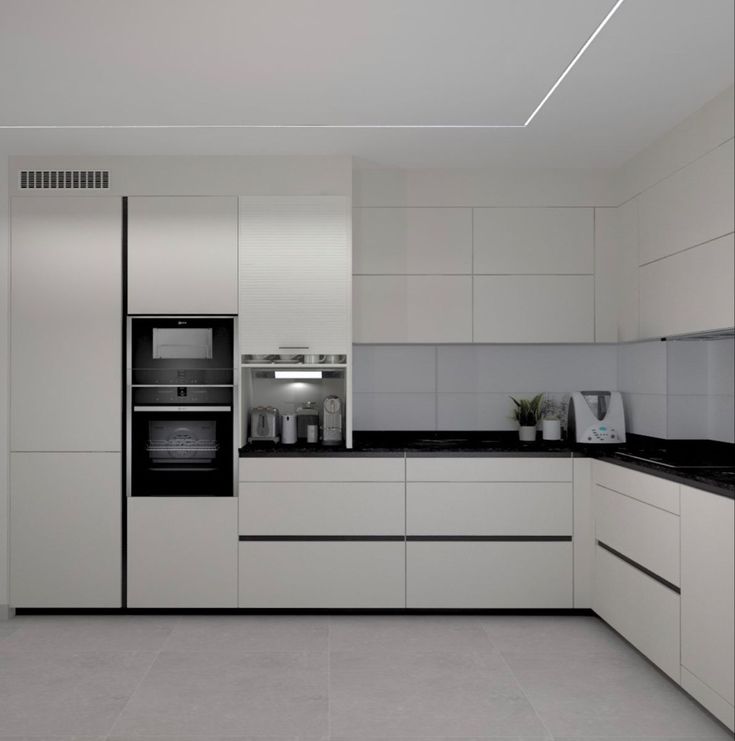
(295, 275)
(65, 432)
(182, 255)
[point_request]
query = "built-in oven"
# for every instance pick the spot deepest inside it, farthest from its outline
(182, 402)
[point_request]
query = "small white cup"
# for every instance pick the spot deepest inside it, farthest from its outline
(312, 433)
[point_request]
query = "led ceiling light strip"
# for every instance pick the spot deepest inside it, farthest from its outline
(574, 61)
(546, 97)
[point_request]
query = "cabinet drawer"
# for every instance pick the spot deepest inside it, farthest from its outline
(182, 552)
(488, 469)
(446, 508)
(645, 534)
(486, 575)
(353, 508)
(649, 489)
(303, 575)
(640, 609)
(344, 468)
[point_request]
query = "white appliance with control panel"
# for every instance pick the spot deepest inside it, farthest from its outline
(596, 417)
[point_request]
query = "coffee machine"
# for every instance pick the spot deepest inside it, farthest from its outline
(332, 421)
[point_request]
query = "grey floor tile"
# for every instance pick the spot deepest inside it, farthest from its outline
(66, 693)
(565, 634)
(427, 694)
(220, 693)
(607, 695)
(249, 633)
(76, 633)
(407, 633)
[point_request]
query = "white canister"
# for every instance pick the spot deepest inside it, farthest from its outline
(312, 359)
(551, 429)
(288, 429)
(312, 434)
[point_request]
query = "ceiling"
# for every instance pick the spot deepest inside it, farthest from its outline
(215, 63)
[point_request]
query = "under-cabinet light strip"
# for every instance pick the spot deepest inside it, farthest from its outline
(297, 375)
(546, 97)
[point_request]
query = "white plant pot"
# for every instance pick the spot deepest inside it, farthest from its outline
(527, 434)
(551, 429)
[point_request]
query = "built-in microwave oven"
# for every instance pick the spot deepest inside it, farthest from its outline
(181, 350)
(181, 407)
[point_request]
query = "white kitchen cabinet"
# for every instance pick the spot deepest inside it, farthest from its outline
(182, 255)
(628, 273)
(489, 532)
(647, 535)
(533, 241)
(413, 308)
(534, 308)
(65, 530)
(295, 275)
(488, 575)
(322, 574)
(691, 291)
(692, 206)
(524, 469)
(182, 552)
(644, 487)
(339, 468)
(708, 600)
(66, 324)
(640, 608)
(322, 508)
(463, 508)
(412, 240)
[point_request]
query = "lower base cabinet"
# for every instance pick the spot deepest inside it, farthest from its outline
(708, 601)
(66, 525)
(322, 574)
(489, 575)
(641, 609)
(182, 552)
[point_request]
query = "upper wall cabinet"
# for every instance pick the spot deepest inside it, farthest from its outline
(534, 308)
(295, 275)
(66, 325)
(692, 206)
(399, 241)
(182, 255)
(691, 291)
(548, 241)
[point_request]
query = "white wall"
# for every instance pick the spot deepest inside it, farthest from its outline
(467, 387)
(679, 389)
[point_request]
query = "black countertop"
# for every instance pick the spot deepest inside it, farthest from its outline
(703, 464)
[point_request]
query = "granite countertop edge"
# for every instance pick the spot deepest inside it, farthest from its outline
(405, 446)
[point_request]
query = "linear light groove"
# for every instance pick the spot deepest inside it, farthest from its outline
(525, 125)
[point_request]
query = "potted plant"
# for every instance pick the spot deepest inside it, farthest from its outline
(552, 412)
(527, 413)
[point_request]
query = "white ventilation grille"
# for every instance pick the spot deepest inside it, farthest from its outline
(64, 180)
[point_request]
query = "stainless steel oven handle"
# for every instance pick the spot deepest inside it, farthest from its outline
(174, 408)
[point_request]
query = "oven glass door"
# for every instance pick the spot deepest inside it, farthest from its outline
(184, 448)
(181, 350)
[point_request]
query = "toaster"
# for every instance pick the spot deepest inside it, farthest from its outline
(596, 417)
(263, 424)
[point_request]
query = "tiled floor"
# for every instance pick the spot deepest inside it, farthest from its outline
(230, 678)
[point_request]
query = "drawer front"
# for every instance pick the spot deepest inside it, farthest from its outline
(434, 508)
(304, 575)
(640, 609)
(649, 489)
(645, 534)
(488, 469)
(487, 575)
(352, 508)
(339, 468)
